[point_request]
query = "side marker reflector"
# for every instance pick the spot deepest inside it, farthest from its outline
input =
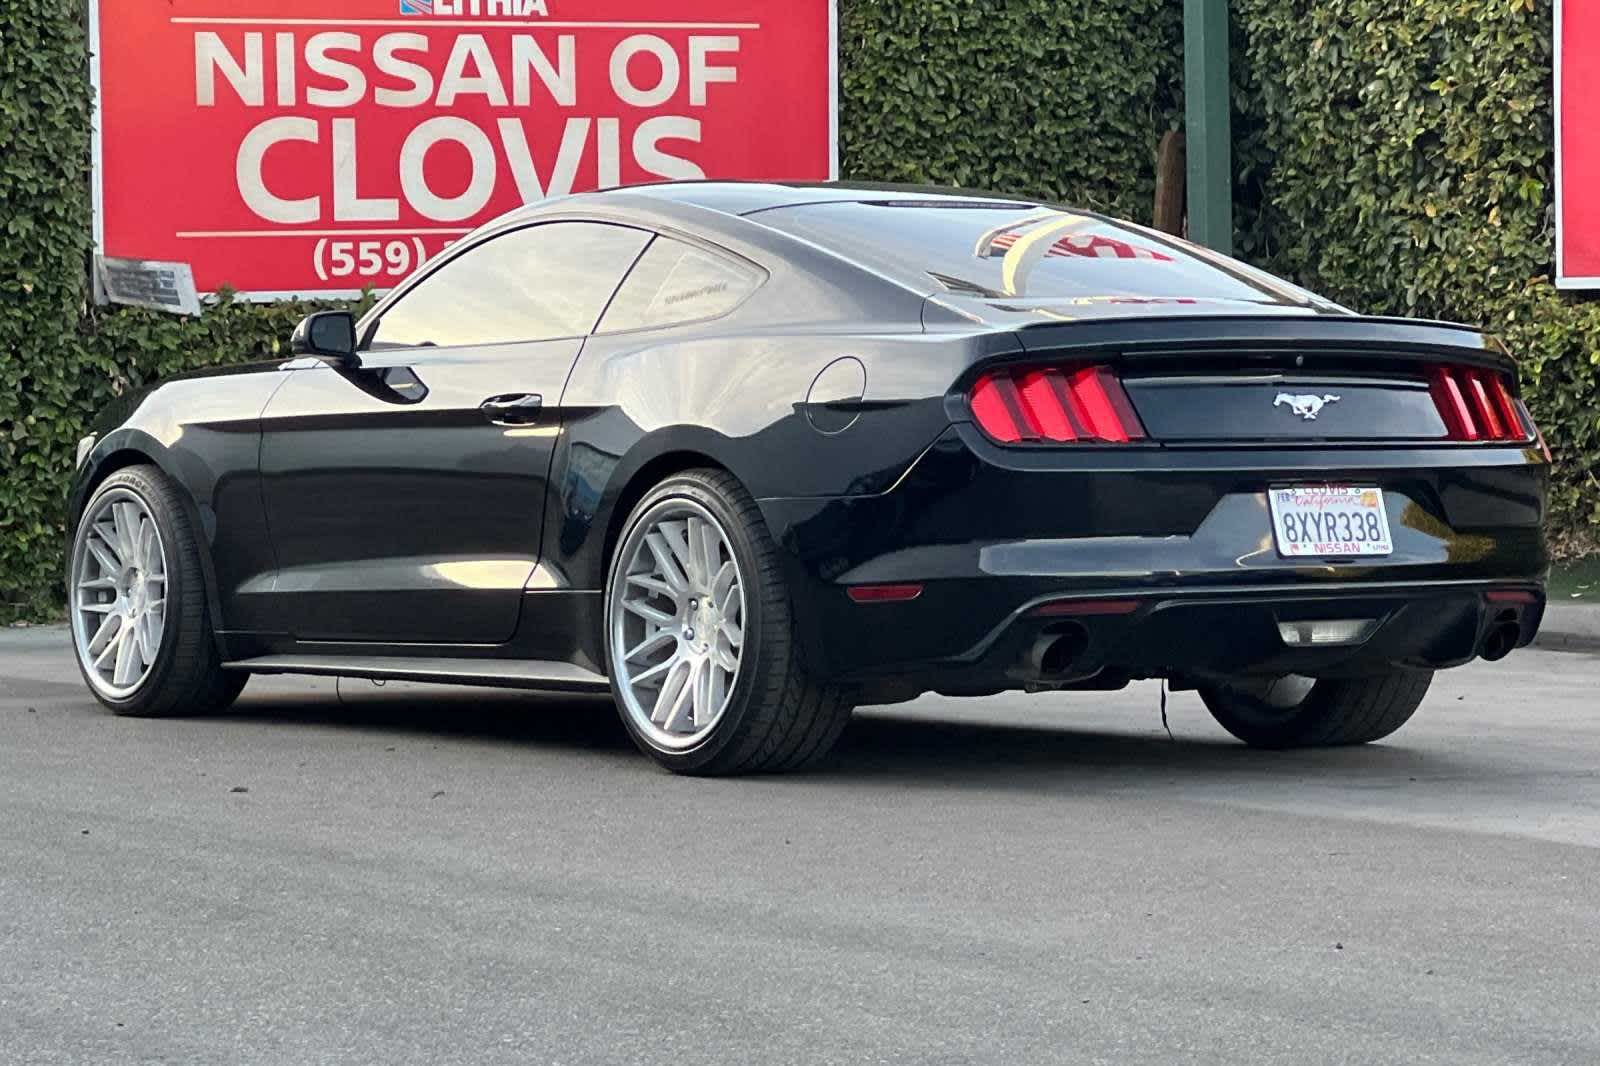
(1067, 608)
(884, 593)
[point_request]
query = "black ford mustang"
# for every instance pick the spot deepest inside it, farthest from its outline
(748, 455)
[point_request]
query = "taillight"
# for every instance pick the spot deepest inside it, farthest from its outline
(1476, 405)
(1058, 404)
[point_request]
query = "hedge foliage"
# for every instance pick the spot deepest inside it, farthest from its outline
(1399, 158)
(1394, 156)
(1060, 99)
(63, 359)
(50, 387)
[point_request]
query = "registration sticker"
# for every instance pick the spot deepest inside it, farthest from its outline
(1315, 520)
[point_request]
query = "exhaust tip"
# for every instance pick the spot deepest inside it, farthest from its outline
(1500, 642)
(1059, 648)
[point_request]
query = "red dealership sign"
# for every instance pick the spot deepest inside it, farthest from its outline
(1577, 144)
(288, 147)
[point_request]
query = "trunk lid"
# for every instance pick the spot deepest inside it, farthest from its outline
(1285, 406)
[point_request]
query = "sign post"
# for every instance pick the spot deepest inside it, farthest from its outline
(1577, 53)
(1208, 134)
(304, 148)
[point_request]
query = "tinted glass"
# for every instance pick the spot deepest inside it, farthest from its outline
(1024, 253)
(677, 282)
(530, 284)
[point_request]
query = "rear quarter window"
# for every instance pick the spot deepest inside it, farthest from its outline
(674, 282)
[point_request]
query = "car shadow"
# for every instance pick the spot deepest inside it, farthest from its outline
(900, 748)
(495, 715)
(885, 747)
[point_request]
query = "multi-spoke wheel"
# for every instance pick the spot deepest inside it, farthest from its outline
(699, 638)
(678, 626)
(1298, 712)
(136, 600)
(119, 587)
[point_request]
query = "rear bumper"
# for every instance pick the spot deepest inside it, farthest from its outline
(1182, 535)
(1193, 635)
(1196, 635)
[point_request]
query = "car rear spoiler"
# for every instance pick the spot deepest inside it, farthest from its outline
(1180, 337)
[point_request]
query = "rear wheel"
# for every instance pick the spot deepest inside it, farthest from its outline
(1300, 712)
(701, 648)
(137, 602)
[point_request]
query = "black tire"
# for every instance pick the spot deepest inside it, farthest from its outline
(779, 715)
(1334, 712)
(187, 676)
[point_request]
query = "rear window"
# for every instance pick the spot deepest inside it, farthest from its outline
(1022, 253)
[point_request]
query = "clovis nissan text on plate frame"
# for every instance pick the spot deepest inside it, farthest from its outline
(294, 147)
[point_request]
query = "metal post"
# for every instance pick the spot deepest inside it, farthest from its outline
(1208, 132)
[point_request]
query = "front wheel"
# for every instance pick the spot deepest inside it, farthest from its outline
(137, 602)
(1300, 712)
(701, 649)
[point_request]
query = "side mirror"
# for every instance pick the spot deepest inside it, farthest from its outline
(327, 335)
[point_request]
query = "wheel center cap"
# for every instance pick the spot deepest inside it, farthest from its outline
(702, 624)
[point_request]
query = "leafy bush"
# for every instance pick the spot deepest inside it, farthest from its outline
(1063, 99)
(61, 358)
(44, 209)
(1402, 162)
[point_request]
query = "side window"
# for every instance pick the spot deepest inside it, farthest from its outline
(676, 282)
(538, 283)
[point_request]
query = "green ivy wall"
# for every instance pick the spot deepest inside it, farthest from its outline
(1398, 158)
(1395, 157)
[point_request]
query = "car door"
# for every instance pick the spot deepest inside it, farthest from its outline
(405, 495)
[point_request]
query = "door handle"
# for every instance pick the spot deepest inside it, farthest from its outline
(517, 409)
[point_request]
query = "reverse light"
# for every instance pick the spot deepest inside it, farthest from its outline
(1476, 405)
(1326, 633)
(1055, 404)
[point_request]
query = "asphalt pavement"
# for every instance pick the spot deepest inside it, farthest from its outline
(336, 873)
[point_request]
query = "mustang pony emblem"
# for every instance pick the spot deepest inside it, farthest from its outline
(1304, 406)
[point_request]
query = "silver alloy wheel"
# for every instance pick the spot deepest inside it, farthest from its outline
(675, 618)
(118, 594)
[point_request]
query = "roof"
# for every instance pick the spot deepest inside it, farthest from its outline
(990, 257)
(749, 197)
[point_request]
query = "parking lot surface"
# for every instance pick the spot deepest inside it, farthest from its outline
(337, 872)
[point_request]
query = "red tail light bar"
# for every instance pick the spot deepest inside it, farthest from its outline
(1476, 405)
(1057, 404)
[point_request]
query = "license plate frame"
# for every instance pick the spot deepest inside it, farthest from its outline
(1330, 522)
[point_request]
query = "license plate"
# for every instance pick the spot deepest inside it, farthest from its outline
(1316, 520)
